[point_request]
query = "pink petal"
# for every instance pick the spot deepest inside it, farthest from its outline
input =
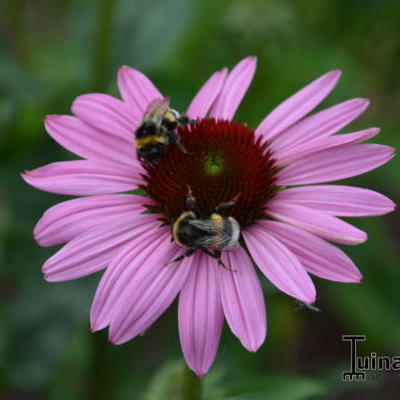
(279, 264)
(318, 222)
(292, 154)
(243, 299)
(149, 288)
(298, 105)
(317, 256)
(90, 143)
(206, 96)
(337, 163)
(108, 114)
(200, 314)
(234, 89)
(83, 177)
(117, 276)
(71, 218)
(342, 201)
(94, 250)
(136, 89)
(321, 124)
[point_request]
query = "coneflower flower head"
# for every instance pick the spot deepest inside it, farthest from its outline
(284, 230)
(225, 160)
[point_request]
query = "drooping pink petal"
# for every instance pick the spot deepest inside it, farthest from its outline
(200, 314)
(318, 222)
(117, 276)
(94, 250)
(136, 89)
(151, 287)
(317, 256)
(87, 142)
(206, 96)
(292, 154)
(333, 164)
(243, 299)
(298, 105)
(83, 177)
(69, 219)
(321, 124)
(342, 201)
(279, 264)
(234, 89)
(108, 114)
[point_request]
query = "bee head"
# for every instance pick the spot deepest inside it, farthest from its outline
(179, 223)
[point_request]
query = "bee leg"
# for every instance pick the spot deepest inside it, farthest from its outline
(191, 203)
(187, 253)
(190, 200)
(228, 204)
(175, 138)
(217, 256)
(184, 120)
(224, 266)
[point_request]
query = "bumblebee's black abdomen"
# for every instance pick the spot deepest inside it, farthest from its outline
(189, 235)
(151, 153)
(150, 142)
(146, 129)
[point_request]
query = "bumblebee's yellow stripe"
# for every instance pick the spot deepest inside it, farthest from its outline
(142, 142)
(218, 221)
(218, 225)
(169, 116)
(175, 227)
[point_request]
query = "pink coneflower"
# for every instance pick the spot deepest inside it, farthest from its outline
(284, 230)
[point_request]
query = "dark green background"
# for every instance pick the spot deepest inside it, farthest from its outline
(52, 51)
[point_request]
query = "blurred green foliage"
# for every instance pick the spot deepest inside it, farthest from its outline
(52, 51)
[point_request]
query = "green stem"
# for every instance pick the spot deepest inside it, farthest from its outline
(99, 371)
(191, 385)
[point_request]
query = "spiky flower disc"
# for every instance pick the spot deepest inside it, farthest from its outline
(224, 160)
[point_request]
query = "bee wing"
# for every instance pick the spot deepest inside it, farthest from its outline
(203, 225)
(214, 238)
(156, 109)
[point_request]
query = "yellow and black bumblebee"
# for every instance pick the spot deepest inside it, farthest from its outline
(157, 130)
(212, 234)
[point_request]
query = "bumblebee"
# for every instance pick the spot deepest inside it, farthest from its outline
(157, 130)
(212, 234)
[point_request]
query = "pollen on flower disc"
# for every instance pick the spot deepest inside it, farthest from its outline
(224, 160)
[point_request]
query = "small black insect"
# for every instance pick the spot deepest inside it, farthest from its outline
(309, 306)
